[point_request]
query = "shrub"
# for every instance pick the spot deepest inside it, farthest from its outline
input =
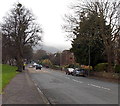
(66, 66)
(71, 66)
(117, 69)
(76, 65)
(56, 67)
(101, 67)
(87, 67)
(47, 62)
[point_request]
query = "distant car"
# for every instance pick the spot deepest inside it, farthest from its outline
(47, 66)
(38, 66)
(69, 71)
(30, 66)
(79, 72)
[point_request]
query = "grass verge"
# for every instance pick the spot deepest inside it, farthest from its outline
(7, 73)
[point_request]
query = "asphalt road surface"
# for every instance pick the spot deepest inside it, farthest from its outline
(60, 88)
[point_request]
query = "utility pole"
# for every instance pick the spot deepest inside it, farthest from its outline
(89, 61)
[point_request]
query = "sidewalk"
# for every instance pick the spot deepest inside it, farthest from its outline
(21, 90)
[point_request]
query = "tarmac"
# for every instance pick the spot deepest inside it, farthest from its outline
(22, 90)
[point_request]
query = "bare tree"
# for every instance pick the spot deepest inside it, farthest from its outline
(20, 29)
(39, 55)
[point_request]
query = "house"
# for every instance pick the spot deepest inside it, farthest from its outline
(67, 57)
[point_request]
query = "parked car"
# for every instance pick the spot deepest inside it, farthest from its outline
(47, 66)
(30, 66)
(38, 66)
(69, 71)
(34, 64)
(79, 72)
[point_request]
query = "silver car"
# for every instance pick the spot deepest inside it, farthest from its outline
(78, 72)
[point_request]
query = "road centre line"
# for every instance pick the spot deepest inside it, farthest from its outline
(98, 86)
(88, 84)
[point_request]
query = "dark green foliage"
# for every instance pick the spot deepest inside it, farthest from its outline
(101, 67)
(117, 68)
(56, 67)
(73, 66)
(87, 37)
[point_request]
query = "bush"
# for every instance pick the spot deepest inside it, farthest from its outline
(101, 67)
(87, 67)
(56, 67)
(47, 62)
(66, 66)
(73, 65)
(117, 69)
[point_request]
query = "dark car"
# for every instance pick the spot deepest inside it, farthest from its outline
(47, 66)
(38, 66)
(79, 72)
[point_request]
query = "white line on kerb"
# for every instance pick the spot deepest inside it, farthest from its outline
(44, 98)
(39, 90)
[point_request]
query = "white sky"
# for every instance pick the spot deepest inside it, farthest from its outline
(49, 14)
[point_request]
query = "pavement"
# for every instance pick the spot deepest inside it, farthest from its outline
(0, 99)
(21, 90)
(60, 88)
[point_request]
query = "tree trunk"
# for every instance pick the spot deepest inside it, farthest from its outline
(19, 63)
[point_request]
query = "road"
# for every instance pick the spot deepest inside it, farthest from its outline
(59, 88)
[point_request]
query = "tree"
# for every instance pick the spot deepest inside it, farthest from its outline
(28, 52)
(20, 29)
(87, 38)
(55, 58)
(100, 19)
(109, 28)
(40, 55)
(8, 51)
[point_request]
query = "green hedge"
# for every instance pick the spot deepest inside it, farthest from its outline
(101, 67)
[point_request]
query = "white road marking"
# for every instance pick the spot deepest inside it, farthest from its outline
(98, 86)
(80, 82)
(67, 77)
(77, 81)
(106, 88)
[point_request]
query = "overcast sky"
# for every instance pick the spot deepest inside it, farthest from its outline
(49, 13)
